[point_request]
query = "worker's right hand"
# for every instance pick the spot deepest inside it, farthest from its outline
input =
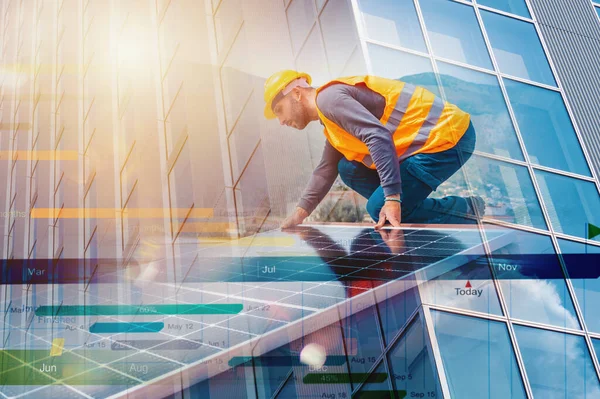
(390, 212)
(295, 218)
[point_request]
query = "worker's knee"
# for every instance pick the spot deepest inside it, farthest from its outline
(345, 169)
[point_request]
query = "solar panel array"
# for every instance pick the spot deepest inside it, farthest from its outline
(140, 327)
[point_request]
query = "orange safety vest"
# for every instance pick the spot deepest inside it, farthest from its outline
(419, 121)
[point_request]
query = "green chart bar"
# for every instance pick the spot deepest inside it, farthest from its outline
(125, 327)
(343, 378)
(123, 310)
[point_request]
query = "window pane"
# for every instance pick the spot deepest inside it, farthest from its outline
(312, 58)
(546, 127)
(532, 280)
(289, 390)
(362, 328)
(571, 203)
(395, 311)
(517, 7)
(454, 32)
(394, 22)
(558, 365)
(596, 343)
(244, 137)
(237, 84)
(479, 94)
(339, 34)
(517, 48)
(377, 385)
(332, 340)
(271, 369)
(477, 356)
(227, 22)
(301, 17)
(395, 64)
(467, 287)
(598, 11)
(506, 188)
(583, 265)
(412, 366)
(252, 194)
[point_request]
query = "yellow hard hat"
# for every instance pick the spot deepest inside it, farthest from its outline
(276, 83)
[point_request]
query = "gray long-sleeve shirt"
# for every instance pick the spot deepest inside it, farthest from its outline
(357, 110)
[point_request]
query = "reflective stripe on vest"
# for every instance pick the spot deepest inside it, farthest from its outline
(432, 119)
(400, 108)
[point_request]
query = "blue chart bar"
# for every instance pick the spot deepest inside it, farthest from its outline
(157, 344)
(126, 327)
(280, 361)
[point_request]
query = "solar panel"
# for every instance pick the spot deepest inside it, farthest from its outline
(155, 327)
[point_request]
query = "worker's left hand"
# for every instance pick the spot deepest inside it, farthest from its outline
(390, 212)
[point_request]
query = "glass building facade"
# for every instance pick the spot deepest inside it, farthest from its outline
(143, 119)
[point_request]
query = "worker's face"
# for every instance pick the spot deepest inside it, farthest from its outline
(291, 110)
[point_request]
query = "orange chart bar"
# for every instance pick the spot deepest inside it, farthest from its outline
(41, 155)
(111, 213)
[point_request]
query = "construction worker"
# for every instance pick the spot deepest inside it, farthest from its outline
(390, 141)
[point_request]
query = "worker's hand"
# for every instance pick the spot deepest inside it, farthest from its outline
(295, 218)
(390, 212)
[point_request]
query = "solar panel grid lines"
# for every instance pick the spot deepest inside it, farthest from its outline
(329, 277)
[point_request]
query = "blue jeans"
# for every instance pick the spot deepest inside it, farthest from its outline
(421, 174)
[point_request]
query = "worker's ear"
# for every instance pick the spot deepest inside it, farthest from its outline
(297, 93)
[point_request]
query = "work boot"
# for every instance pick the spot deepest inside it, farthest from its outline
(476, 203)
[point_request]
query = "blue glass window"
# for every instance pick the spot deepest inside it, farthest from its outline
(395, 64)
(571, 203)
(362, 328)
(289, 390)
(454, 32)
(558, 365)
(517, 7)
(532, 280)
(478, 357)
(546, 128)
(596, 343)
(507, 190)
(271, 369)
(479, 94)
(395, 311)
(598, 11)
(411, 364)
(583, 266)
(394, 22)
(467, 287)
(377, 385)
(517, 48)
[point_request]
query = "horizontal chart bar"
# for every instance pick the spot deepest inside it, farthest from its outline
(272, 268)
(281, 361)
(112, 213)
(134, 310)
(39, 155)
(250, 241)
(382, 395)
(126, 327)
(342, 378)
(155, 344)
(77, 367)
